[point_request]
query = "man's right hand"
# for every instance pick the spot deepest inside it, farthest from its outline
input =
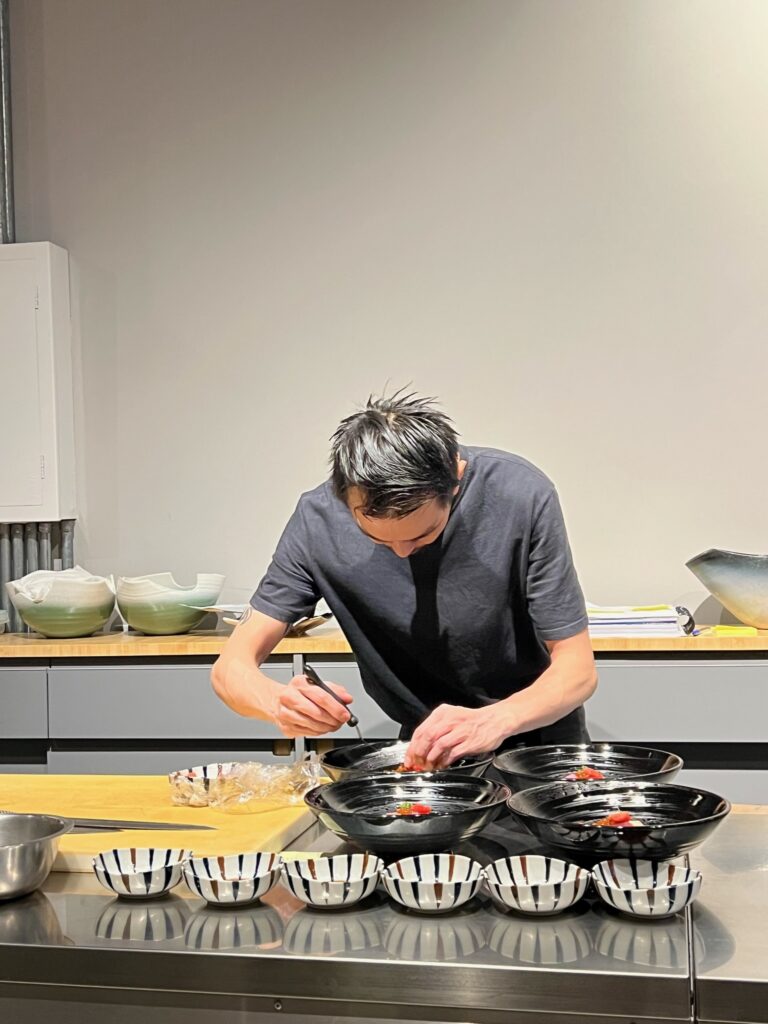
(303, 709)
(298, 708)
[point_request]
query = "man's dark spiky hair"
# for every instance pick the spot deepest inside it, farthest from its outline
(398, 452)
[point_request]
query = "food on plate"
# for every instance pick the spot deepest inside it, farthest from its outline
(403, 767)
(618, 819)
(584, 774)
(407, 809)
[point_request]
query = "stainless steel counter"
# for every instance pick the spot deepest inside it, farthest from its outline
(378, 962)
(730, 923)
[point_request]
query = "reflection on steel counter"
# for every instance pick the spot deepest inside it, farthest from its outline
(258, 927)
(143, 921)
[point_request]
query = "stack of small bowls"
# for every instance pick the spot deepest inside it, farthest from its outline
(139, 874)
(333, 882)
(234, 880)
(644, 888)
(532, 884)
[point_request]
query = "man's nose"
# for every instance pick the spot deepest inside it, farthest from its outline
(403, 548)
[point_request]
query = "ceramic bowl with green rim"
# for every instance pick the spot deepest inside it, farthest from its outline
(738, 580)
(158, 605)
(63, 603)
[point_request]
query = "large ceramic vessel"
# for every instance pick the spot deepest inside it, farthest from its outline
(64, 603)
(158, 605)
(739, 582)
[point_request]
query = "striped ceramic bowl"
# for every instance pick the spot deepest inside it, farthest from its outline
(236, 879)
(535, 885)
(644, 888)
(140, 874)
(532, 884)
(329, 882)
(433, 882)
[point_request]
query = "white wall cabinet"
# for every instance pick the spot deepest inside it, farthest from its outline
(37, 470)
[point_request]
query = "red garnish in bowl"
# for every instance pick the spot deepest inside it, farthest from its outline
(584, 774)
(408, 809)
(617, 819)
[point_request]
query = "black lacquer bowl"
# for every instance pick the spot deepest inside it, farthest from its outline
(363, 810)
(534, 766)
(385, 756)
(675, 819)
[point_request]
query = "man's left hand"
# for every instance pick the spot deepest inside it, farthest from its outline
(451, 733)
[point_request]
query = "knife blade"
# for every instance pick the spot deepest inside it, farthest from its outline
(114, 824)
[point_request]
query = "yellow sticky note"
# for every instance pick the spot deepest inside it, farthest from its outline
(732, 630)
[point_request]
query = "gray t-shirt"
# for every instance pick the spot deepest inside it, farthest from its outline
(463, 620)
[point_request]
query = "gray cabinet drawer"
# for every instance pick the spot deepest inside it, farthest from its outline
(693, 701)
(23, 703)
(147, 762)
(374, 724)
(147, 702)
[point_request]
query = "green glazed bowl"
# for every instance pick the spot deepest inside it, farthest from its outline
(63, 604)
(159, 606)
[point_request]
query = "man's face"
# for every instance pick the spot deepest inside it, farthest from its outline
(406, 534)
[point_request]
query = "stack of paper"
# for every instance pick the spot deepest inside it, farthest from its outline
(625, 620)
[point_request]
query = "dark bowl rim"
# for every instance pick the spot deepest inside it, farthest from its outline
(618, 784)
(500, 792)
(476, 760)
(677, 766)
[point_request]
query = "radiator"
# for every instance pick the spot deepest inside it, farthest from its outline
(25, 547)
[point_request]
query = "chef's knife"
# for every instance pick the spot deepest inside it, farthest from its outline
(110, 824)
(116, 824)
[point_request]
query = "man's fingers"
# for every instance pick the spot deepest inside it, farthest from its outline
(345, 695)
(440, 748)
(425, 738)
(293, 701)
(302, 725)
(314, 695)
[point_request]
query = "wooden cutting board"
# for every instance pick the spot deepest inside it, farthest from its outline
(145, 798)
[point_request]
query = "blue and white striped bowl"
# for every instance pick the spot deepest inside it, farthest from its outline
(139, 873)
(236, 879)
(644, 888)
(329, 882)
(533, 884)
(433, 882)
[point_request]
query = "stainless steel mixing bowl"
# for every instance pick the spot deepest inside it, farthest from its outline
(28, 846)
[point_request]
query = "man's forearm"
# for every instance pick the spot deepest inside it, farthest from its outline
(246, 689)
(560, 689)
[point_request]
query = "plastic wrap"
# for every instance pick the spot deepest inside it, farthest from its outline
(244, 786)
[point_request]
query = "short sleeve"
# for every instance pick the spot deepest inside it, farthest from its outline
(288, 591)
(555, 600)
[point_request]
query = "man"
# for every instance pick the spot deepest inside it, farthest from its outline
(449, 571)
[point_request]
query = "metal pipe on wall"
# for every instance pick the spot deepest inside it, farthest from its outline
(7, 216)
(17, 566)
(67, 534)
(45, 546)
(5, 567)
(30, 543)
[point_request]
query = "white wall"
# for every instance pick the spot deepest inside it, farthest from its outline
(552, 214)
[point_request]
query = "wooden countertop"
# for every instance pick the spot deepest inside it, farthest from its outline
(325, 641)
(266, 826)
